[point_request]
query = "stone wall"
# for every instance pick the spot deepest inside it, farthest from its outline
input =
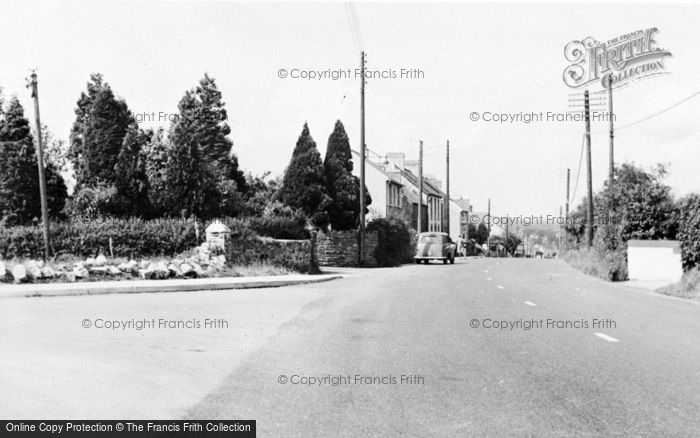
(297, 255)
(342, 248)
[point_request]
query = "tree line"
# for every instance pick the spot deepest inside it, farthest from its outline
(186, 169)
(639, 205)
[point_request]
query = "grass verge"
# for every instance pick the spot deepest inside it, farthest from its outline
(611, 266)
(688, 287)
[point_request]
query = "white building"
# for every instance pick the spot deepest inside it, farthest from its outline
(393, 184)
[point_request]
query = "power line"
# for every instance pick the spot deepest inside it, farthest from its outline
(578, 171)
(655, 114)
(354, 22)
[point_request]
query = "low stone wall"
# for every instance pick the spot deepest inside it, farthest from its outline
(342, 248)
(292, 254)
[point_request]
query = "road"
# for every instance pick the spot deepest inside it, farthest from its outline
(598, 359)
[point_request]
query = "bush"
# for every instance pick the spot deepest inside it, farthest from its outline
(689, 231)
(281, 227)
(98, 199)
(280, 221)
(608, 265)
(395, 244)
(688, 287)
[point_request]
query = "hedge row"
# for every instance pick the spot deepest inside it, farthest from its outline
(689, 231)
(395, 242)
(134, 238)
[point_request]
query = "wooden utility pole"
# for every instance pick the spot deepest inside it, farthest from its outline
(568, 184)
(488, 236)
(362, 161)
(420, 187)
(561, 230)
(589, 173)
(447, 201)
(506, 243)
(466, 237)
(33, 84)
(611, 172)
(566, 211)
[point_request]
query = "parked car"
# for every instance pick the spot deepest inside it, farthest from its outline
(435, 246)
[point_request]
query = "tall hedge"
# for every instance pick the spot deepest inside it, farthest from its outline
(395, 243)
(689, 230)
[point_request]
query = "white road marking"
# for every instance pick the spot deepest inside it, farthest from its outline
(500, 287)
(606, 337)
(530, 303)
(488, 278)
(486, 271)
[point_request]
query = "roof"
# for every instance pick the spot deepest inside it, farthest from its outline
(462, 203)
(398, 175)
(428, 188)
(496, 229)
(391, 176)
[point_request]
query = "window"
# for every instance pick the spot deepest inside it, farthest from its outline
(393, 198)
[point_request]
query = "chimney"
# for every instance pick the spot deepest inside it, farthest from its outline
(396, 158)
(434, 181)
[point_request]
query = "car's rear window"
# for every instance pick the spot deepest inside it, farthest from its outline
(430, 239)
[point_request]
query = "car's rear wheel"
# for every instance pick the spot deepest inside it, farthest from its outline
(427, 261)
(417, 261)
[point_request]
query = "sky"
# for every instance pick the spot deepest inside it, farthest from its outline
(473, 57)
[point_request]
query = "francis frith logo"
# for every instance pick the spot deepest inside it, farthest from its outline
(627, 58)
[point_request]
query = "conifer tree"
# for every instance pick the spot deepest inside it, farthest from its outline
(19, 174)
(343, 186)
(303, 186)
(131, 179)
(98, 132)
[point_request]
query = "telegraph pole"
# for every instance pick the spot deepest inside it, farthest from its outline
(447, 202)
(589, 172)
(561, 230)
(420, 187)
(466, 237)
(40, 163)
(566, 211)
(362, 161)
(488, 237)
(568, 184)
(506, 244)
(611, 171)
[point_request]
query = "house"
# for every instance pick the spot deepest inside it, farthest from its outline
(478, 217)
(393, 183)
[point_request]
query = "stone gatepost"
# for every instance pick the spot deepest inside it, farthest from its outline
(217, 235)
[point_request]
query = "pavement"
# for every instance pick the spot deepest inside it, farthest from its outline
(156, 286)
(485, 347)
